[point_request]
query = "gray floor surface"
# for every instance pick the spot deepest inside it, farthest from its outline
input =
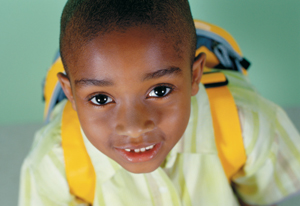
(15, 142)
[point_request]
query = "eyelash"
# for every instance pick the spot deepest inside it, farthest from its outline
(94, 101)
(169, 89)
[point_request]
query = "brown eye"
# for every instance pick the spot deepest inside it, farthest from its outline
(160, 91)
(101, 99)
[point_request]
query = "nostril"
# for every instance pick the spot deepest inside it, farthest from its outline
(130, 132)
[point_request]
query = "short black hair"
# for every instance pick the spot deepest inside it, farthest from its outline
(83, 20)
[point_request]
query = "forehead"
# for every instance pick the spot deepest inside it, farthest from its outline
(142, 47)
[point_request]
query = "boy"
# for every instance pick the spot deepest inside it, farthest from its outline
(130, 74)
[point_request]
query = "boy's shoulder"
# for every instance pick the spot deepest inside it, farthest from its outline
(47, 141)
(44, 166)
(271, 144)
(247, 97)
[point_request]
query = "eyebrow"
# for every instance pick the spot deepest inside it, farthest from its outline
(94, 82)
(162, 72)
(104, 83)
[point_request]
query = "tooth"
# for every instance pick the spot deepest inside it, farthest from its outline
(137, 150)
(127, 150)
(143, 149)
(149, 147)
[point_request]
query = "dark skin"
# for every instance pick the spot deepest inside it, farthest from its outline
(127, 70)
(116, 86)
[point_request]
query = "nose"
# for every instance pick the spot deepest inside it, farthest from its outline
(134, 120)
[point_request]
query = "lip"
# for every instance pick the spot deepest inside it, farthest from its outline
(140, 156)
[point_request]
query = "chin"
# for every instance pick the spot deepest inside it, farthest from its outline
(139, 169)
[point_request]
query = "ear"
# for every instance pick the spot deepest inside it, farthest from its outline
(197, 72)
(66, 86)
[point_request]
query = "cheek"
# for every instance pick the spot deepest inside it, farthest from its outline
(96, 126)
(174, 118)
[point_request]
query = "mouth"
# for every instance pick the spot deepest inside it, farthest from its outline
(139, 154)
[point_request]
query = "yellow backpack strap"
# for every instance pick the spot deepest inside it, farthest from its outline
(226, 123)
(51, 82)
(79, 169)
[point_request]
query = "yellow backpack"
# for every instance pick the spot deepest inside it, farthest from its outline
(222, 52)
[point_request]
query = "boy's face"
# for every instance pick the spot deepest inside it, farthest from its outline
(132, 94)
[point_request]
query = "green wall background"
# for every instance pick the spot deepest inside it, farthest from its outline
(267, 31)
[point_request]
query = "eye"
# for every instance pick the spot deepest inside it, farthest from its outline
(101, 99)
(160, 91)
